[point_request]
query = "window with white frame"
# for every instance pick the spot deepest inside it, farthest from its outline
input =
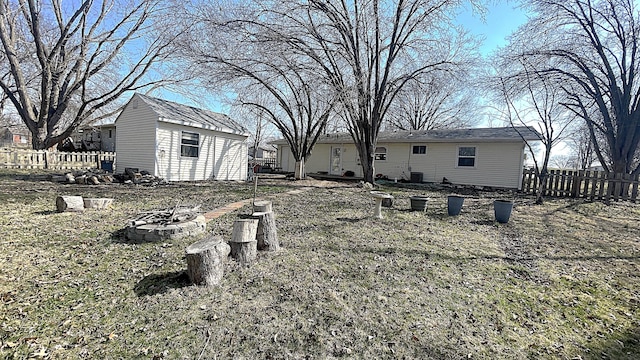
(381, 153)
(190, 144)
(419, 149)
(467, 156)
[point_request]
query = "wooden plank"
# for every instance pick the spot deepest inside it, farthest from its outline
(605, 189)
(593, 183)
(626, 180)
(634, 188)
(563, 183)
(577, 182)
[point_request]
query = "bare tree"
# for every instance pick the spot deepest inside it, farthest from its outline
(533, 100)
(369, 50)
(82, 58)
(245, 49)
(563, 161)
(582, 148)
(592, 48)
(438, 102)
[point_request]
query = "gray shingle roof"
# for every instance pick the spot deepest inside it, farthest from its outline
(170, 111)
(502, 134)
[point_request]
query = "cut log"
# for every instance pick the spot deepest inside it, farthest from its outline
(243, 241)
(98, 203)
(93, 180)
(81, 179)
(262, 206)
(267, 234)
(69, 203)
(205, 260)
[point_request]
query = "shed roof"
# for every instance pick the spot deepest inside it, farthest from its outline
(501, 134)
(172, 112)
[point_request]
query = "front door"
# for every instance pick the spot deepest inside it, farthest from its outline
(336, 160)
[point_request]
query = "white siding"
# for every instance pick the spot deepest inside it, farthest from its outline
(221, 156)
(497, 164)
(172, 166)
(136, 140)
(230, 158)
(108, 143)
(285, 158)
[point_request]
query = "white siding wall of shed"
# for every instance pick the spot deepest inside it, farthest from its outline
(136, 140)
(231, 158)
(221, 156)
(172, 166)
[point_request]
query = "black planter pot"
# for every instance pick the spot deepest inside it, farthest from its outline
(419, 203)
(454, 204)
(502, 210)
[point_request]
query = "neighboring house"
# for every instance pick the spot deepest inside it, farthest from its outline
(15, 136)
(263, 152)
(481, 157)
(107, 128)
(179, 142)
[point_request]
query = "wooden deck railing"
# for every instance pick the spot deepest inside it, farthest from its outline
(11, 158)
(587, 184)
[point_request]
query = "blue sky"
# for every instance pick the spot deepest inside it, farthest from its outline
(501, 19)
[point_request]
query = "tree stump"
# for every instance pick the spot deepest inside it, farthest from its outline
(243, 241)
(267, 234)
(69, 203)
(262, 206)
(98, 203)
(205, 260)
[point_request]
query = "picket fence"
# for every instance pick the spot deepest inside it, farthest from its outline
(11, 158)
(587, 184)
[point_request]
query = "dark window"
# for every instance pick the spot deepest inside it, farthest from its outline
(110, 133)
(381, 153)
(419, 149)
(467, 156)
(190, 144)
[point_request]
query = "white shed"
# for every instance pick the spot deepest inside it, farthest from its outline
(179, 142)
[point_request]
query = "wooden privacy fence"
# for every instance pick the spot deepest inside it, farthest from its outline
(11, 158)
(587, 184)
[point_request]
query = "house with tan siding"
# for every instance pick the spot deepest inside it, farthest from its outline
(479, 156)
(179, 142)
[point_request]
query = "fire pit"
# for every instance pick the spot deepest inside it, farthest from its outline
(166, 224)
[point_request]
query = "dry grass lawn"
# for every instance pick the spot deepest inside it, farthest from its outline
(561, 280)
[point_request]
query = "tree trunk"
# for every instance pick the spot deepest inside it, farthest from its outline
(267, 234)
(98, 203)
(368, 170)
(69, 203)
(243, 242)
(205, 260)
(299, 172)
(262, 206)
